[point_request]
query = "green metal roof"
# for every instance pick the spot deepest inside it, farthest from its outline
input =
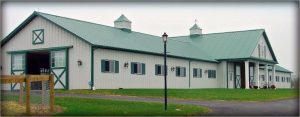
(227, 45)
(281, 69)
(122, 18)
(109, 37)
(206, 47)
(195, 26)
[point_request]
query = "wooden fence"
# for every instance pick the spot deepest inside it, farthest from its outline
(6, 79)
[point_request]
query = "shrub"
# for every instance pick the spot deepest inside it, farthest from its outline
(255, 87)
(273, 86)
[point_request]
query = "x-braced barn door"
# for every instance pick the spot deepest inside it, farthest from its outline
(237, 76)
(18, 66)
(59, 68)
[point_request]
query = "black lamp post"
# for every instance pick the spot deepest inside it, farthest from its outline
(165, 37)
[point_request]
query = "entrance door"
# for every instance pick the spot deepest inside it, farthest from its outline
(237, 76)
(59, 68)
(37, 64)
(18, 66)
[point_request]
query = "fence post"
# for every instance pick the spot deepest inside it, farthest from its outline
(21, 93)
(51, 80)
(28, 87)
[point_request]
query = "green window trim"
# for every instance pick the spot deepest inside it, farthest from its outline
(197, 72)
(138, 68)
(109, 66)
(38, 36)
(180, 71)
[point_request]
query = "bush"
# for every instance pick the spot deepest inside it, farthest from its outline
(273, 86)
(265, 87)
(255, 87)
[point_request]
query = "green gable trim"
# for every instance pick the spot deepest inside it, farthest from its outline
(270, 47)
(17, 29)
(249, 58)
(40, 49)
(38, 36)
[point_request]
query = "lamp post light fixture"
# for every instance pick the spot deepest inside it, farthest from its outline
(164, 38)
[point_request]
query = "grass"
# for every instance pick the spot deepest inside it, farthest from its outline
(100, 107)
(198, 94)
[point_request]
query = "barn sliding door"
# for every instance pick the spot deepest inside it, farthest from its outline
(237, 76)
(18, 66)
(59, 68)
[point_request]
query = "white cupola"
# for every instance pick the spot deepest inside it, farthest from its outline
(123, 23)
(195, 30)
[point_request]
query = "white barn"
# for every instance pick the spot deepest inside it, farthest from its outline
(84, 55)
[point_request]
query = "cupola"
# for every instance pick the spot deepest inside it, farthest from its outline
(195, 30)
(123, 23)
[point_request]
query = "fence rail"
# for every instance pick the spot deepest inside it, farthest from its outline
(6, 79)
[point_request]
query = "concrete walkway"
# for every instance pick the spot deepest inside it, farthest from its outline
(274, 108)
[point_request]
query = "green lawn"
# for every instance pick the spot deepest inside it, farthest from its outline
(97, 107)
(198, 94)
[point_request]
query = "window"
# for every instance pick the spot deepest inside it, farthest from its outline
(137, 68)
(197, 73)
(262, 49)
(109, 66)
(270, 78)
(259, 50)
(277, 78)
(38, 36)
(160, 70)
(180, 71)
(211, 73)
(18, 62)
(265, 51)
(58, 58)
(287, 79)
(282, 79)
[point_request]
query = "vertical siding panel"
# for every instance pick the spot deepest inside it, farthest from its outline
(54, 37)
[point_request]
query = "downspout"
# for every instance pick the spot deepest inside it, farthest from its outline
(227, 72)
(92, 68)
(189, 73)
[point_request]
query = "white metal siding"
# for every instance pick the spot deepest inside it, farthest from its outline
(124, 79)
(54, 36)
(255, 53)
(204, 82)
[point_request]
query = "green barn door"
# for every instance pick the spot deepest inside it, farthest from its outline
(237, 76)
(18, 66)
(58, 67)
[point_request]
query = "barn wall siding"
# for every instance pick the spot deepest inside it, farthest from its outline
(124, 79)
(279, 84)
(54, 36)
(204, 82)
(262, 41)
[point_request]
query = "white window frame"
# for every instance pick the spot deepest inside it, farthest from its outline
(18, 61)
(212, 74)
(139, 68)
(198, 73)
(181, 71)
(111, 65)
(59, 59)
(162, 70)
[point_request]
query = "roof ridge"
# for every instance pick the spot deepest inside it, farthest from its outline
(223, 32)
(91, 23)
